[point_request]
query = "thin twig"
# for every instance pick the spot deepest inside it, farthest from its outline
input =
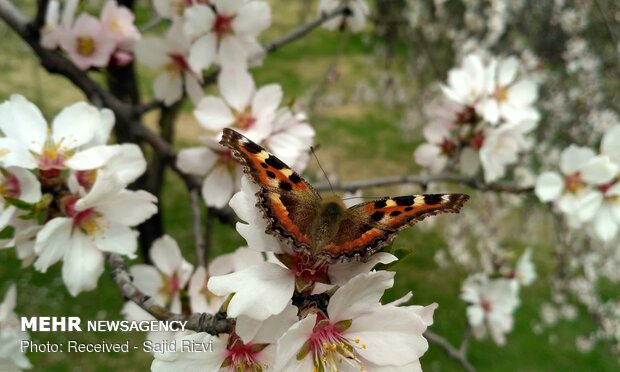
(607, 22)
(194, 199)
(423, 181)
(301, 31)
(294, 35)
(212, 324)
(152, 105)
(452, 352)
(465, 343)
(151, 23)
(209, 233)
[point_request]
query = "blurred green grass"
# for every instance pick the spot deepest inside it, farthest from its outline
(356, 141)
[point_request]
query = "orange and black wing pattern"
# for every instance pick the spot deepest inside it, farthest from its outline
(370, 226)
(288, 202)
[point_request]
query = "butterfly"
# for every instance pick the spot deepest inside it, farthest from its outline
(322, 227)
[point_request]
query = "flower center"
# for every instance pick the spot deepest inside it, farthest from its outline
(53, 155)
(242, 357)
(244, 120)
(178, 64)
(86, 46)
(330, 348)
(447, 147)
(573, 183)
(486, 306)
(501, 94)
(223, 25)
(172, 284)
(86, 179)
(89, 221)
(115, 25)
(467, 116)
(9, 186)
(477, 140)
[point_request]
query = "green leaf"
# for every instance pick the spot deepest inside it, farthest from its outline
(19, 204)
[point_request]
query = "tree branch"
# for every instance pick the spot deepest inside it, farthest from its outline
(423, 181)
(303, 30)
(452, 352)
(39, 18)
(294, 35)
(212, 324)
(194, 199)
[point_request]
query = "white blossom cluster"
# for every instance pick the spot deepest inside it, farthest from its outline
(292, 314)
(483, 121)
(64, 190)
(587, 191)
(89, 41)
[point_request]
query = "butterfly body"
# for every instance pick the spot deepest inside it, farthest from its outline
(326, 223)
(324, 228)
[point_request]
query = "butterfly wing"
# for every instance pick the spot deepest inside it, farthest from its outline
(370, 226)
(288, 202)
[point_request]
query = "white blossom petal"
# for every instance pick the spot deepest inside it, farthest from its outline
(166, 255)
(213, 114)
(549, 186)
(196, 160)
(75, 125)
(260, 291)
(82, 266)
(218, 187)
(52, 242)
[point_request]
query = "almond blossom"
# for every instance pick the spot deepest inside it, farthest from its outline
(466, 129)
(576, 192)
(354, 20)
(204, 301)
(467, 84)
(491, 305)
(253, 113)
(244, 108)
(509, 98)
(225, 32)
(216, 164)
(355, 332)
(118, 23)
(87, 43)
(168, 275)
(92, 223)
(251, 347)
(171, 55)
(33, 145)
(501, 147)
(12, 357)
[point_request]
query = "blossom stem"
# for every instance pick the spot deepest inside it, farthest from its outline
(453, 352)
(194, 198)
(303, 30)
(214, 324)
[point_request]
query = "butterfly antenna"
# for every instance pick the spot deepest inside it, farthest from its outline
(364, 197)
(322, 170)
